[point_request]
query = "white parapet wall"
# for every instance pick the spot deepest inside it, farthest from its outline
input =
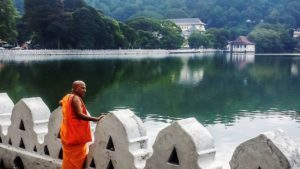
(185, 144)
(52, 141)
(29, 124)
(270, 150)
(120, 142)
(30, 140)
(6, 106)
(22, 147)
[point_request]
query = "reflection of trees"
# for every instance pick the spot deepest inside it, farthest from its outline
(275, 83)
(51, 80)
(190, 76)
(141, 85)
(149, 86)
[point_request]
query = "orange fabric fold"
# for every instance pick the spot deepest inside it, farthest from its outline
(74, 156)
(74, 130)
(74, 133)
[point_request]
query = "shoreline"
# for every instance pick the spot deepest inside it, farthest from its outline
(106, 51)
(124, 52)
(45, 55)
(48, 55)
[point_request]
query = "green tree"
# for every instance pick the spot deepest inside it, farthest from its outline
(176, 13)
(154, 33)
(272, 38)
(8, 17)
(171, 35)
(19, 4)
(130, 35)
(125, 12)
(148, 32)
(144, 23)
(293, 8)
(146, 40)
(86, 28)
(74, 25)
(45, 19)
(218, 37)
(72, 5)
(199, 39)
(24, 32)
(215, 13)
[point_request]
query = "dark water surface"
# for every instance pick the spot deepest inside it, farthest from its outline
(235, 97)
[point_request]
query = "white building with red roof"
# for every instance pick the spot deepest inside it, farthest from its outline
(241, 44)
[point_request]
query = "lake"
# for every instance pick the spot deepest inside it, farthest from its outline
(235, 96)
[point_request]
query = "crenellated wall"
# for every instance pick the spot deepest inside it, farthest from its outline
(29, 138)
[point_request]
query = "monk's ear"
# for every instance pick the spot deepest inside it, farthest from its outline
(60, 103)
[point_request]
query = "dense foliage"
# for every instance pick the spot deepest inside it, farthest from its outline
(154, 33)
(73, 24)
(8, 17)
(70, 24)
(272, 38)
(199, 39)
(215, 13)
(212, 38)
(234, 18)
(19, 5)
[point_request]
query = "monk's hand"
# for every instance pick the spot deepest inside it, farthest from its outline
(100, 117)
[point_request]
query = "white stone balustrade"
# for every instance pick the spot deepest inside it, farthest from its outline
(6, 106)
(185, 144)
(23, 145)
(52, 138)
(120, 142)
(270, 150)
(29, 139)
(29, 124)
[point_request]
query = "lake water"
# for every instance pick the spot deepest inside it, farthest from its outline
(235, 97)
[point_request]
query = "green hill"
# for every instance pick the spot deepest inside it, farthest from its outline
(215, 13)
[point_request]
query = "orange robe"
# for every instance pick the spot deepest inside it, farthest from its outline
(75, 134)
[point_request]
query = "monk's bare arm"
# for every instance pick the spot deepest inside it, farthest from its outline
(76, 104)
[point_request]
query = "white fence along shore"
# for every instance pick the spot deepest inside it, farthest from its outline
(28, 55)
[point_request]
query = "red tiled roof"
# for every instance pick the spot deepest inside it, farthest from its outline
(242, 40)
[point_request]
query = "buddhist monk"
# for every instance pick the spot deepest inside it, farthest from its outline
(75, 129)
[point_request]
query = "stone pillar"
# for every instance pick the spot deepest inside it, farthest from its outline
(270, 150)
(52, 139)
(120, 142)
(29, 126)
(6, 106)
(185, 144)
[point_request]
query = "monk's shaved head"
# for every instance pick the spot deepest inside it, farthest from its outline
(77, 83)
(79, 88)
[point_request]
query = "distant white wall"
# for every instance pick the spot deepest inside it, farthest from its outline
(240, 48)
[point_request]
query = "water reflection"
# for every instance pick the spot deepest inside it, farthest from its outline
(229, 94)
(227, 138)
(1, 66)
(294, 69)
(241, 60)
(213, 89)
(189, 76)
(155, 123)
(246, 126)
